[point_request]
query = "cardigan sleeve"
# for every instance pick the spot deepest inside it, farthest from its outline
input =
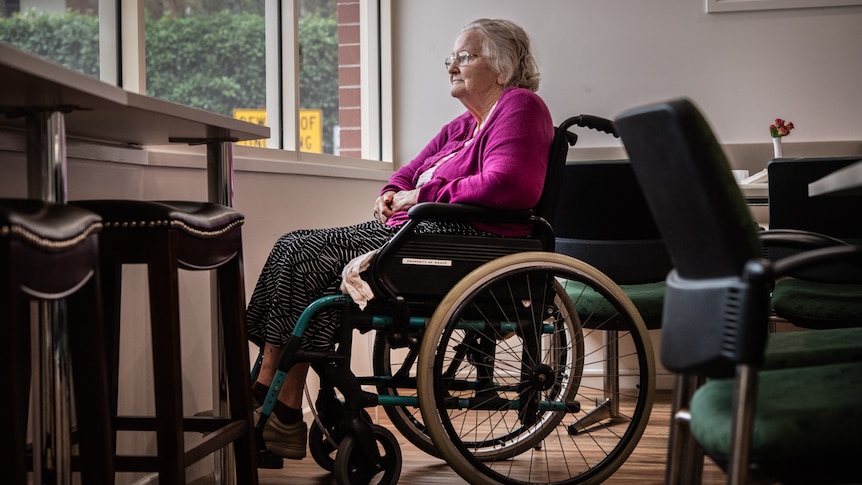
(505, 166)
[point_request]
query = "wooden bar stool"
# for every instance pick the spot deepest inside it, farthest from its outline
(50, 252)
(167, 236)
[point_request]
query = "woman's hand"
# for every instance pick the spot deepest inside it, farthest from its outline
(404, 200)
(391, 202)
(383, 207)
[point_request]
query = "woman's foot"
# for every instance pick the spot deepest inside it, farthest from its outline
(286, 440)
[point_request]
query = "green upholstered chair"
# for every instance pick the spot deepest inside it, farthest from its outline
(823, 297)
(603, 219)
(755, 423)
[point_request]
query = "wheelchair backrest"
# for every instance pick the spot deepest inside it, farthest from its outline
(603, 219)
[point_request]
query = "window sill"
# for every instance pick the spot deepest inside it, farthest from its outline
(246, 159)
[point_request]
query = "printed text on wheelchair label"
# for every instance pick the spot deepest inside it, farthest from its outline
(426, 262)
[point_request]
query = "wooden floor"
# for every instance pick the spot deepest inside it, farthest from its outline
(645, 466)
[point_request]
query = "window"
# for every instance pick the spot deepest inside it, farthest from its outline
(64, 32)
(310, 69)
(337, 102)
(208, 54)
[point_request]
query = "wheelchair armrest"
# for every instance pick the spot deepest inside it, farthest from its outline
(844, 253)
(800, 239)
(454, 212)
(451, 212)
(829, 267)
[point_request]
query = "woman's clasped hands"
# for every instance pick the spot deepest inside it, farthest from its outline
(391, 202)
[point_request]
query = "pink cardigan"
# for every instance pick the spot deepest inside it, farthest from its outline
(503, 167)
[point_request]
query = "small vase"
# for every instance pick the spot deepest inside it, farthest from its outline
(776, 145)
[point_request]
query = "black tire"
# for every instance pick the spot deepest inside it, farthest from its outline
(353, 468)
(322, 450)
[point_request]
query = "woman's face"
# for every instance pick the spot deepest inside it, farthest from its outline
(474, 80)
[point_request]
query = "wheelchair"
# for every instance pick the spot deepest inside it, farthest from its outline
(480, 357)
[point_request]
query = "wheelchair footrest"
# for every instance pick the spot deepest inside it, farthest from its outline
(269, 460)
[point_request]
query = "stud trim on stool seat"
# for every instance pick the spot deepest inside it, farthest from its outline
(41, 242)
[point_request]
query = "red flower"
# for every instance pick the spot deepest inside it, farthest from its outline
(780, 128)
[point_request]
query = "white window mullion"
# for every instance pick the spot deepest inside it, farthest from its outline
(273, 72)
(369, 73)
(134, 71)
(290, 74)
(376, 76)
(383, 108)
(109, 56)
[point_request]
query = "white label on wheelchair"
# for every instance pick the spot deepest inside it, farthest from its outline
(426, 262)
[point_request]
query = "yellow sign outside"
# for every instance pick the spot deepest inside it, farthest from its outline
(256, 116)
(311, 130)
(310, 127)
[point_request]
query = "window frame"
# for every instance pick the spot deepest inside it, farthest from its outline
(122, 24)
(718, 6)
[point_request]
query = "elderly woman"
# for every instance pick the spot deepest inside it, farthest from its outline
(494, 155)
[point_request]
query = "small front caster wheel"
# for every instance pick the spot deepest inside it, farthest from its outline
(352, 466)
(321, 448)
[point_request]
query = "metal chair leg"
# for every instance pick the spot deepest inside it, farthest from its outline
(610, 407)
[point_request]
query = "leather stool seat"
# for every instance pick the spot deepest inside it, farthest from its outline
(167, 236)
(202, 219)
(50, 252)
(45, 226)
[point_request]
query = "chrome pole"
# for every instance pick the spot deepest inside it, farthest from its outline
(220, 190)
(46, 180)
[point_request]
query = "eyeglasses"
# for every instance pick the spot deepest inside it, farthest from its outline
(462, 58)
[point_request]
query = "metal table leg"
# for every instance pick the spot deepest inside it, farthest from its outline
(220, 189)
(51, 377)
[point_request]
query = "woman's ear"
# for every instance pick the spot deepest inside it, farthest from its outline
(501, 79)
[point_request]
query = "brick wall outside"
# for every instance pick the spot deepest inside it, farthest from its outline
(349, 94)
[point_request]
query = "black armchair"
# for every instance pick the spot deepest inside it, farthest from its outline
(714, 328)
(826, 296)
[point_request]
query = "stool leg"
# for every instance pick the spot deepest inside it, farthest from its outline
(167, 368)
(112, 288)
(232, 301)
(15, 365)
(90, 377)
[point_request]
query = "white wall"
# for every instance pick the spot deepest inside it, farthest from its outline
(603, 56)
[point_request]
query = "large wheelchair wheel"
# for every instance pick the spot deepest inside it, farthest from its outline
(559, 345)
(399, 366)
(511, 373)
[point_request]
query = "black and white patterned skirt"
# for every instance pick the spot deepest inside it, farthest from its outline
(305, 265)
